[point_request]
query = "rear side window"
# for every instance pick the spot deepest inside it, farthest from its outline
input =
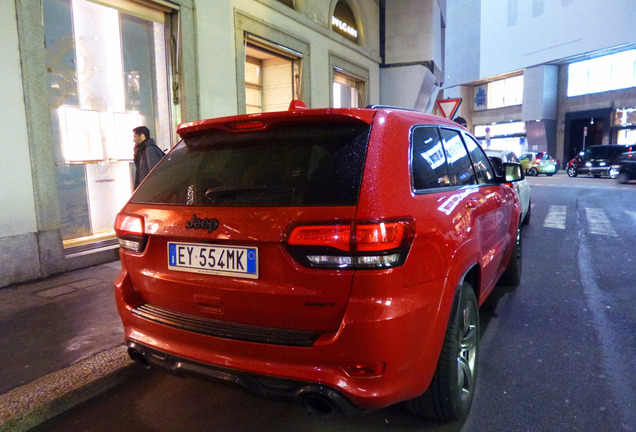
(290, 165)
(461, 168)
(428, 159)
(483, 169)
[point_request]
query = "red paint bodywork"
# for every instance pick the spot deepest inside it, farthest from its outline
(397, 316)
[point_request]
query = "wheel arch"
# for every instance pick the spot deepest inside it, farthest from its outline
(473, 277)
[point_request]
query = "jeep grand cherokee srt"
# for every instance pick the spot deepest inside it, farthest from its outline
(333, 256)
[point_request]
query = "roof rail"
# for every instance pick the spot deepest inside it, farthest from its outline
(391, 107)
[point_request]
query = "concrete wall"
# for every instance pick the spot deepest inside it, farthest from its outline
(18, 221)
(414, 55)
(517, 34)
(221, 24)
(210, 85)
(463, 48)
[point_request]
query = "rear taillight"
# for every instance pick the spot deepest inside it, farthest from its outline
(368, 245)
(130, 230)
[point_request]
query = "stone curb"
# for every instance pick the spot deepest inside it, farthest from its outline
(28, 406)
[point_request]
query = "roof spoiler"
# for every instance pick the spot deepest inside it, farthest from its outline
(296, 105)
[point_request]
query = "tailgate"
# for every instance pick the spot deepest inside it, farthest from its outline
(217, 208)
(281, 294)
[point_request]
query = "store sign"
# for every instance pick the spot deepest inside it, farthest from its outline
(344, 21)
(480, 102)
(343, 27)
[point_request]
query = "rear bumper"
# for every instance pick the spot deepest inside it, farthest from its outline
(311, 396)
(404, 333)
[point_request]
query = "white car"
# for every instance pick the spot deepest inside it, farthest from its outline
(522, 188)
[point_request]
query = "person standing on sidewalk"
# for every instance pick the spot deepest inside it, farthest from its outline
(147, 153)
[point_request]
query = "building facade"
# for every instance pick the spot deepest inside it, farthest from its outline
(81, 74)
(555, 76)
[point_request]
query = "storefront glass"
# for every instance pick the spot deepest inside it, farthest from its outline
(272, 78)
(503, 136)
(347, 91)
(108, 73)
(625, 123)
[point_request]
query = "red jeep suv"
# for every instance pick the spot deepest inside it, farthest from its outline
(336, 257)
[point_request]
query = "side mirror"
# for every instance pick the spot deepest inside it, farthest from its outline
(512, 172)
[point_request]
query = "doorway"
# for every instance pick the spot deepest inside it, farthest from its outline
(584, 129)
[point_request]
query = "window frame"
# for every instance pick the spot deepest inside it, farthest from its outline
(249, 30)
(463, 136)
(353, 71)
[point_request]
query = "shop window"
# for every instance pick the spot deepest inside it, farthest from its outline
(348, 83)
(503, 136)
(347, 91)
(253, 85)
(108, 73)
(343, 21)
(499, 94)
(625, 122)
(506, 92)
(606, 73)
(272, 78)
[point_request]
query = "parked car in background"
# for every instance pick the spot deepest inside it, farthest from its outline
(336, 257)
(535, 163)
(597, 160)
(498, 158)
(626, 167)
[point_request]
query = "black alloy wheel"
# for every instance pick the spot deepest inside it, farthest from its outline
(451, 392)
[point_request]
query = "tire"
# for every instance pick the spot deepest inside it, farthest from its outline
(533, 172)
(511, 277)
(451, 392)
(571, 171)
(622, 178)
(526, 218)
(550, 175)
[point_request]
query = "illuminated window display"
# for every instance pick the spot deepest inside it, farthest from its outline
(347, 91)
(272, 76)
(108, 73)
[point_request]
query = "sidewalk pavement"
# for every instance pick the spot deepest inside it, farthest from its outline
(62, 343)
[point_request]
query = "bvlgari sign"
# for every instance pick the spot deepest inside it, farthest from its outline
(343, 21)
(343, 27)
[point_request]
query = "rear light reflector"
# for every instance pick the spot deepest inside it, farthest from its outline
(130, 230)
(369, 245)
(365, 370)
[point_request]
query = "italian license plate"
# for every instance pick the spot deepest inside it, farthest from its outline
(234, 261)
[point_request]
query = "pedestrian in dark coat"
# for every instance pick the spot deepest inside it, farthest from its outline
(147, 153)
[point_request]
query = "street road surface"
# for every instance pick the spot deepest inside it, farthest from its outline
(557, 354)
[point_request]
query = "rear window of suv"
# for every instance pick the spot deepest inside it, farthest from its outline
(287, 165)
